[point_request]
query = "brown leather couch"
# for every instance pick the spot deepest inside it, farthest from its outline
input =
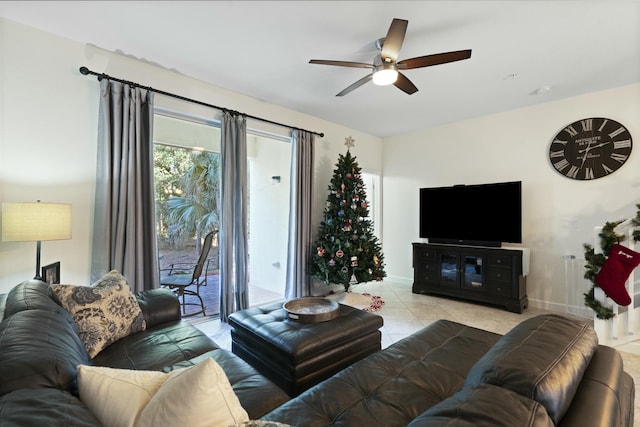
(40, 349)
(547, 371)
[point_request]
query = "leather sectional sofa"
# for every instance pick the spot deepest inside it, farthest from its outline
(547, 371)
(40, 350)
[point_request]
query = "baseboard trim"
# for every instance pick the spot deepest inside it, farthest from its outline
(579, 311)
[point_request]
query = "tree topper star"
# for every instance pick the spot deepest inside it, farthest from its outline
(349, 142)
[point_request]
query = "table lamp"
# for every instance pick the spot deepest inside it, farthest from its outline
(35, 222)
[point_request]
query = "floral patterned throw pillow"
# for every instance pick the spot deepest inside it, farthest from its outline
(103, 312)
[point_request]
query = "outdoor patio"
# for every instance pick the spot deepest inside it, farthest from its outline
(211, 292)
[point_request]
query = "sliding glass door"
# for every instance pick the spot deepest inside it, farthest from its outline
(187, 192)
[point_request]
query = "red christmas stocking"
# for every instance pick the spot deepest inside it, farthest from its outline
(615, 271)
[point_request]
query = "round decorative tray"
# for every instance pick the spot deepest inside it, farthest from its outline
(311, 309)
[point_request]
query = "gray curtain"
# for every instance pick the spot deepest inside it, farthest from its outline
(233, 215)
(124, 236)
(300, 204)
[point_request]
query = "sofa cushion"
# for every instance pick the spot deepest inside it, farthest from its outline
(196, 396)
(259, 423)
(485, 406)
(38, 349)
(103, 312)
(398, 384)
(245, 380)
(44, 407)
(542, 358)
(156, 348)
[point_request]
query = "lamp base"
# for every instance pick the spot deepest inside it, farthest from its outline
(37, 276)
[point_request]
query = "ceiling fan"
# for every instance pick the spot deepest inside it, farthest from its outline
(386, 67)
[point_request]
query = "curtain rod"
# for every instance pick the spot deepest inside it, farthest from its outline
(85, 71)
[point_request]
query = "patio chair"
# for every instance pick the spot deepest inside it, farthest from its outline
(185, 278)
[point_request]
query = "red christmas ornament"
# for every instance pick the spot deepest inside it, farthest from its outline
(339, 253)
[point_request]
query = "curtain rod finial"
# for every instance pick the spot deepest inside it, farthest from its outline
(84, 70)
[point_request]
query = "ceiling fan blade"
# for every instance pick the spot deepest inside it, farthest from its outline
(356, 85)
(438, 58)
(393, 41)
(405, 85)
(341, 63)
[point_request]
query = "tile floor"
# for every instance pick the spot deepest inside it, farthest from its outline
(405, 313)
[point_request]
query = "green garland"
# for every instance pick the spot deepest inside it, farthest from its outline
(608, 238)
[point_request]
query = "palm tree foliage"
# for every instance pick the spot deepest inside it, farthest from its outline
(187, 193)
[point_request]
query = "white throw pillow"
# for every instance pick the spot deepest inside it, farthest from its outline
(200, 395)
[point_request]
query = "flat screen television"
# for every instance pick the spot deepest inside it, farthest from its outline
(476, 215)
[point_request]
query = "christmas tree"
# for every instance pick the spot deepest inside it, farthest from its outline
(347, 252)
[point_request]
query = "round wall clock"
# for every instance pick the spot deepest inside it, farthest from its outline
(590, 148)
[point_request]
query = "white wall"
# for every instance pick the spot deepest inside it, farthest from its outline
(48, 128)
(558, 213)
(269, 214)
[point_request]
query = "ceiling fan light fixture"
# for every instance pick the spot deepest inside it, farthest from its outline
(385, 75)
(384, 68)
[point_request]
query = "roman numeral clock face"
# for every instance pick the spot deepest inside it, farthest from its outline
(590, 148)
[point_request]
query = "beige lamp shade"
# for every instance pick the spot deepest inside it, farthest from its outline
(28, 222)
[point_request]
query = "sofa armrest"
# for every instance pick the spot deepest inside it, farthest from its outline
(158, 306)
(606, 393)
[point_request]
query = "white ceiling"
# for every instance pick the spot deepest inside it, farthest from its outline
(262, 49)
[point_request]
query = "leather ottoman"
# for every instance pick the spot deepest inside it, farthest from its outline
(297, 355)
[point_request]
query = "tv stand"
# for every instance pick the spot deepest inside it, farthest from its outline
(487, 275)
(485, 243)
